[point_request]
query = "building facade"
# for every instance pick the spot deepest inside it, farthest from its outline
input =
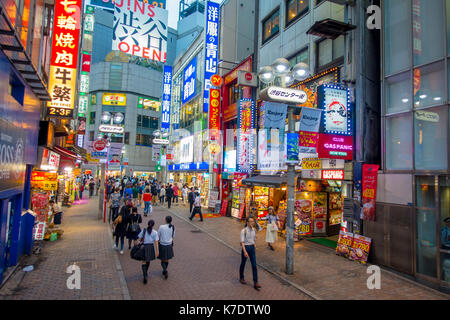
(414, 191)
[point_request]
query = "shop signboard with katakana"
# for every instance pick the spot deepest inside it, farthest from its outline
(64, 58)
(245, 143)
(140, 29)
(167, 96)
(211, 47)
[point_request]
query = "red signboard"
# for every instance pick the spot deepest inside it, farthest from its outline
(216, 80)
(99, 145)
(369, 191)
(308, 139)
(86, 63)
(335, 147)
(214, 114)
(333, 174)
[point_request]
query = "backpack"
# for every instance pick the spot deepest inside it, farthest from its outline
(197, 202)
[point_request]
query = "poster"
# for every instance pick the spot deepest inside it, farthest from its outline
(369, 191)
(344, 245)
(156, 153)
(360, 249)
(39, 231)
(334, 100)
(213, 198)
(303, 210)
(310, 119)
(292, 142)
(139, 29)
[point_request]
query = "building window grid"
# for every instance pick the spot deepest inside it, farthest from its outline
(271, 25)
(301, 9)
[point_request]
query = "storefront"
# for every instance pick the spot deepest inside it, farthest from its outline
(193, 175)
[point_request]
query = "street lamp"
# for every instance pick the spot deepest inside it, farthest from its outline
(281, 69)
(118, 117)
(106, 116)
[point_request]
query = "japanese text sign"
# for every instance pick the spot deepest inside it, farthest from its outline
(369, 191)
(211, 47)
(167, 95)
(214, 114)
(64, 58)
(335, 147)
(140, 29)
(189, 80)
(245, 141)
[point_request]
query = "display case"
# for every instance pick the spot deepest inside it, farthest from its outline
(261, 197)
(335, 208)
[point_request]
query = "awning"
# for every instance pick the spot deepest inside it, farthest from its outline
(330, 28)
(66, 153)
(266, 181)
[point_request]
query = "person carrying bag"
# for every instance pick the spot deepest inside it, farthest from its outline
(150, 239)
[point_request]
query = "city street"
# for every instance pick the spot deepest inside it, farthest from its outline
(205, 267)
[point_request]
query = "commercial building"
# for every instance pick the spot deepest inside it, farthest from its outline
(414, 191)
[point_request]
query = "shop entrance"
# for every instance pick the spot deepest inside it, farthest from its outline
(10, 215)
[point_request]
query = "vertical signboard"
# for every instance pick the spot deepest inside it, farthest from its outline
(245, 143)
(189, 80)
(369, 191)
(167, 93)
(211, 47)
(214, 114)
(140, 29)
(64, 58)
(335, 101)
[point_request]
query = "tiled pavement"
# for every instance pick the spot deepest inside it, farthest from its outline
(202, 269)
(317, 269)
(85, 241)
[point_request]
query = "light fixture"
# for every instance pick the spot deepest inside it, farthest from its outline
(165, 134)
(157, 133)
(423, 96)
(288, 79)
(405, 100)
(267, 74)
(281, 66)
(301, 71)
(106, 116)
(118, 117)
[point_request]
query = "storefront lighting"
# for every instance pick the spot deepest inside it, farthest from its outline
(68, 169)
(281, 66)
(289, 79)
(301, 71)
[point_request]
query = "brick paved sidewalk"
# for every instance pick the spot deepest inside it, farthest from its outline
(317, 269)
(86, 242)
(202, 269)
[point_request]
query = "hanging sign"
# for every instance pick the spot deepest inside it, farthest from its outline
(214, 114)
(335, 101)
(189, 80)
(111, 129)
(245, 143)
(284, 95)
(369, 191)
(167, 96)
(86, 63)
(335, 147)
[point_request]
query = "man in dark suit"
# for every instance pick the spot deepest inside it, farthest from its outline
(191, 199)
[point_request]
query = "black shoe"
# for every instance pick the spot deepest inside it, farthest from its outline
(165, 274)
(145, 280)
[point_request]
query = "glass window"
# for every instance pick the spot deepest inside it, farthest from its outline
(425, 192)
(430, 141)
(138, 139)
(426, 242)
(397, 35)
(448, 26)
(429, 85)
(92, 118)
(445, 266)
(145, 122)
(399, 143)
(444, 207)
(233, 94)
(338, 47)
(91, 135)
(295, 9)
(127, 138)
(398, 93)
(329, 51)
(428, 30)
(115, 77)
(271, 26)
(302, 56)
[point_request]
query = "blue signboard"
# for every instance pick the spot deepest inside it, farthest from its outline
(292, 148)
(189, 166)
(211, 47)
(167, 94)
(189, 80)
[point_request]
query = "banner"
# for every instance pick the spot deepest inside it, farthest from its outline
(292, 148)
(140, 29)
(308, 142)
(310, 119)
(156, 153)
(214, 114)
(274, 115)
(369, 191)
(245, 143)
(189, 80)
(167, 95)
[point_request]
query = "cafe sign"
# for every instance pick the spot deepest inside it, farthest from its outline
(284, 95)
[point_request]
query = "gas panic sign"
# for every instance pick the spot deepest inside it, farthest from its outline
(140, 29)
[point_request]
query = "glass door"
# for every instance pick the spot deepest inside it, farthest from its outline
(444, 229)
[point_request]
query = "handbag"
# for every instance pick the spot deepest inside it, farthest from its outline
(138, 251)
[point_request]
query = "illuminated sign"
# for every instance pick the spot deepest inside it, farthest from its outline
(189, 80)
(335, 102)
(167, 95)
(245, 141)
(284, 95)
(140, 29)
(214, 114)
(161, 141)
(84, 83)
(64, 58)
(335, 147)
(114, 99)
(311, 164)
(211, 47)
(187, 150)
(89, 23)
(149, 104)
(333, 174)
(216, 80)
(50, 160)
(83, 104)
(86, 63)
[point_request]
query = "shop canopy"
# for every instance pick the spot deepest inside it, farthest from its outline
(266, 181)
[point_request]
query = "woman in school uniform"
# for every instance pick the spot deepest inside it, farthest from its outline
(166, 233)
(150, 239)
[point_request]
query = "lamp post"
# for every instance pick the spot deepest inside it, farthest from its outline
(281, 69)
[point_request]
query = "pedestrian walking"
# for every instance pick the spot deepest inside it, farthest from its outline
(271, 228)
(91, 188)
(81, 190)
(175, 193)
(248, 238)
(133, 226)
(162, 194)
(147, 198)
(184, 194)
(197, 207)
(120, 224)
(169, 196)
(114, 204)
(154, 193)
(128, 193)
(135, 191)
(150, 239)
(191, 198)
(166, 234)
(141, 192)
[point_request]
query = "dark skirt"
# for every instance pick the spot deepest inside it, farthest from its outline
(165, 252)
(149, 252)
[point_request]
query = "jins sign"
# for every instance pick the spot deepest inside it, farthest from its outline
(335, 147)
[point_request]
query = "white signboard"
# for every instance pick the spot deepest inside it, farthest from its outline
(161, 142)
(336, 110)
(111, 129)
(140, 29)
(39, 231)
(284, 95)
(156, 153)
(187, 150)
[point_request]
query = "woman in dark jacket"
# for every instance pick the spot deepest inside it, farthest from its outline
(121, 223)
(133, 228)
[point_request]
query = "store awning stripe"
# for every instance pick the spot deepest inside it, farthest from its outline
(266, 181)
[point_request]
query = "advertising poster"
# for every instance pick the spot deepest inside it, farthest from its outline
(245, 138)
(140, 29)
(308, 142)
(187, 150)
(114, 162)
(156, 153)
(310, 119)
(223, 208)
(292, 148)
(303, 209)
(39, 231)
(369, 191)
(360, 249)
(344, 245)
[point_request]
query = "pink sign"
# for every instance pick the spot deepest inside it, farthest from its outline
(335, 147)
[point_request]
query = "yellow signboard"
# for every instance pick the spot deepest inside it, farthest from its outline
(89, 159)
(115, 99)
(311, 164)
(62, 89)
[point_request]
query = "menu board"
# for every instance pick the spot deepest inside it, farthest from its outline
(303, 209)
(223, 209)
(46, 181)
(360, 249)
(319, 205)
(39, 202)
(344, 245)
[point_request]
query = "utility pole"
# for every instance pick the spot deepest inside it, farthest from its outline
(290, 203)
